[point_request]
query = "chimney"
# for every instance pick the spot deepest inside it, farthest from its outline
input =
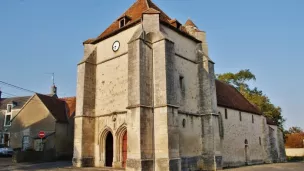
(0, 94)
(54, 89)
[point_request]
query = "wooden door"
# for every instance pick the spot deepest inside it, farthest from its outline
(124, 149)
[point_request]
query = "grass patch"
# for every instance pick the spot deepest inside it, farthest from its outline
(295, 159)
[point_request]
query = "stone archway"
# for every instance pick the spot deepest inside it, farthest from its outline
(121, 146)
(109, 150)
(106, 148)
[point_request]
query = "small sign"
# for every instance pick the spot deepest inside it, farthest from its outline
(41, 134)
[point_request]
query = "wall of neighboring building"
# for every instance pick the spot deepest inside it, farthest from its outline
(34, 117)
(235, 134)
(63, 140)
(2, 116)
(295, 152)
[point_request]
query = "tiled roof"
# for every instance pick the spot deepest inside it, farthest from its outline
(55, 106)
(270, 121)
(20, 101)
(71, 105)
(190, 23)
(228, 96)
(134, 14)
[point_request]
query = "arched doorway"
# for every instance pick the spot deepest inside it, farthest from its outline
(124, 149)
(109, 150)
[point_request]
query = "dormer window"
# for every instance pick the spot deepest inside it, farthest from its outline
(178, 25)
(123, 21)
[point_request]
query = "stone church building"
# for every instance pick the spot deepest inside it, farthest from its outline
(147, 99)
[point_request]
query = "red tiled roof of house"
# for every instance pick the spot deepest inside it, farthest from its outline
(134, 14)
(230, 97)
(71, 105)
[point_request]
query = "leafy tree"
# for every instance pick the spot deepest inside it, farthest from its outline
(240, 81)
(295, 140)
(294, 129)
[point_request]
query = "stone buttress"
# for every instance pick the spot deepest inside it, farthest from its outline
(84, 120)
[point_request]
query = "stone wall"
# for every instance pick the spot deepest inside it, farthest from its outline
(235, 134)
(112, 86)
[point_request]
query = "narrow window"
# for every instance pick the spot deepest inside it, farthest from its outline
(122, 22)
(7, 120)
(252, 119)
(9, 108)
(181, 82)
(221, 127)
(240, 113)
(260, 140)
(226, 114)
(184, 123)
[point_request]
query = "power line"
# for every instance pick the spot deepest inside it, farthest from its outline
(17, 87)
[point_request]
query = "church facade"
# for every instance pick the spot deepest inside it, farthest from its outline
(147, 99)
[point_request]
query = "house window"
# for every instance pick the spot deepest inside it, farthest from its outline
(181, 82)
(252, 119)
(7, 120)
(240, 113)
(8, 115)
(122, 22)
(226, 114)
(9, 108)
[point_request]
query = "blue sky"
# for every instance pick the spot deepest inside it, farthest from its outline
(39, 37)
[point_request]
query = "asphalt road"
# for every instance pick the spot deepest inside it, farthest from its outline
(6, 164)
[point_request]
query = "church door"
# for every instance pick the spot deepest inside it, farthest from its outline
(109, 150)
(124, 149)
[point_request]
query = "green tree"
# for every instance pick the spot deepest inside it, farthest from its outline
(240, 81)
(294, 129)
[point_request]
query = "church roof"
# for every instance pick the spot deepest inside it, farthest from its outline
(230, 97)
(190, 23)
(134, 14)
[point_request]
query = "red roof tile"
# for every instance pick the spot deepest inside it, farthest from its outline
(230, 97)
(134, 14)
(190, 23)
(71, 105)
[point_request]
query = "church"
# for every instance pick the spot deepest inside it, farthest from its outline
(148, 100)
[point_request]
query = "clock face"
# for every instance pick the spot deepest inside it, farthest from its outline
(115, 46)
